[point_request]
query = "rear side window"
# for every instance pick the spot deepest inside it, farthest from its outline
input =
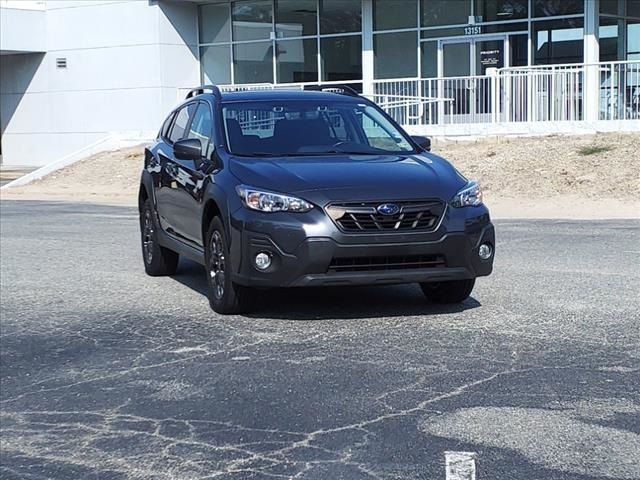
(181, 122)
(201, 126)
(166, 126)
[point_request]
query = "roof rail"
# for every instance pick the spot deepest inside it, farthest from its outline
(340, 89)
(201, 89)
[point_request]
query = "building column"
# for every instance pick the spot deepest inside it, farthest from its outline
(367, 47)
(591, 88)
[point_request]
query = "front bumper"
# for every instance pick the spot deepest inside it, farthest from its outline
(304, 250)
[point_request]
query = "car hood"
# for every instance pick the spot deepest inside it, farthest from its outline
(352, 178)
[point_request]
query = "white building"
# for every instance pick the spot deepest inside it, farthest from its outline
(81, 76)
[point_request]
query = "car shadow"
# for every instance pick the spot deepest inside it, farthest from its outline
(326, 303)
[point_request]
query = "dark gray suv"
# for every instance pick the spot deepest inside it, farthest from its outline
(306, 188)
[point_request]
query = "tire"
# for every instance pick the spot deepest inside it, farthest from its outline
(455, 291)
(158, 260)
(225, 296)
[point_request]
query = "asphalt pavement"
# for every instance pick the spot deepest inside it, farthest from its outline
(109, 374)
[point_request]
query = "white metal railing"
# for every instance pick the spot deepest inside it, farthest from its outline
(543, 93)
(619, 91)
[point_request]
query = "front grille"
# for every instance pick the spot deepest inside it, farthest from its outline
(421, 215)
(363, 264)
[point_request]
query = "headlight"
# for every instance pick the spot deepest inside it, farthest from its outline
(469, 196)
(271, 202)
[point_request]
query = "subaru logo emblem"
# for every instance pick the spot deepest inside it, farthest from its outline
(388, 209)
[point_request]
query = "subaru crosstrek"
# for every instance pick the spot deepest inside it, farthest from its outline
(306, 188)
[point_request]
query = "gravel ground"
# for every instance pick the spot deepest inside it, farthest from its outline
(546, 177)
(109, 374)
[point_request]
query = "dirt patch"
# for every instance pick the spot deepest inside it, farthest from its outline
(587, 176)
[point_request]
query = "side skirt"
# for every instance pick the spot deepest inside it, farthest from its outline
(191, 252)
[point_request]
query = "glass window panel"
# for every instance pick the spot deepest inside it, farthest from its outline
(297, 60)
(252, 20)
(551, 8)
(608, 34)
(393, 54)
(496, 10)
(390, 14)
(341, 58)
(445, 12)
(518, 45)
(633, 40)
(340, 16)
(216, 64)
(610, 6)
(558, 41)
(295, 18)
(181, 122)
(215, 24)
(429, 51)
(253, 62)
(456, 61)
(633, 8)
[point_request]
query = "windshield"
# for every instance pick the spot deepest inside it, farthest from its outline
(290, 127)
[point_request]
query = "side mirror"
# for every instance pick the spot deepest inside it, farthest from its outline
(423, 142)
(188, 149)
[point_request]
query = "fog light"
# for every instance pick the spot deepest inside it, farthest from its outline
(263, 261)
(485, 251)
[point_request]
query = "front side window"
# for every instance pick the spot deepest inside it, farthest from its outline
(201, 127)
(281, 128)
(178, 131)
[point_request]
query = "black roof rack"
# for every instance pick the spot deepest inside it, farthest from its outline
(201, 89)
(340, 89)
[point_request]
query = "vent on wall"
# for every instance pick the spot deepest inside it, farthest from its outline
(61, 63)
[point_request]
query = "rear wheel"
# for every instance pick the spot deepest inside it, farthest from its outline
(225, 296)
(454, 291)
(158, 260)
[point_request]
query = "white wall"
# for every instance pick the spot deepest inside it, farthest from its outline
(13, 24)
(125, 61)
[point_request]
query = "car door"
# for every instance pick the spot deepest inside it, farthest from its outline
(191, 175)
(169, 206)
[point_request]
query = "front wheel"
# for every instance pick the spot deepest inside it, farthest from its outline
(454, 291)
(158, 260)
(225, 296)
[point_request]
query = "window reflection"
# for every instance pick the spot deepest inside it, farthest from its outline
(551, 8)
(340, 16)
(216, 64)
(496, 10)
(341, 58)
(252, 20)
(390, 14)
(215, 24)
(445, 12)
(296, 18)
(253, 62)
(558, 41)
(387, 62)
(297, 60)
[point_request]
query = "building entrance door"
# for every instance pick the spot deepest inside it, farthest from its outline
(464, 65)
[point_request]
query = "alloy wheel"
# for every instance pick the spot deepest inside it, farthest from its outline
(217, 264)
(147, 237)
